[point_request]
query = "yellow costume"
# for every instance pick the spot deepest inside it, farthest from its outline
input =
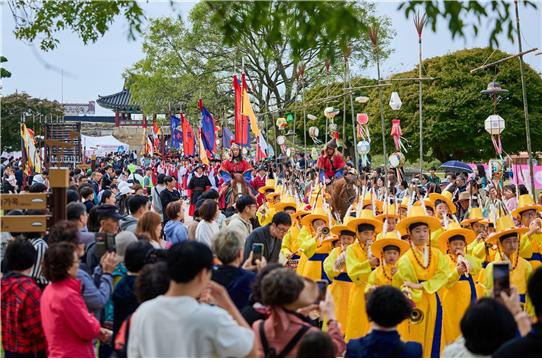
(460, 291)
(267, 210)
(316, 250)
(432, 277)
(340, 286)
(534, 241)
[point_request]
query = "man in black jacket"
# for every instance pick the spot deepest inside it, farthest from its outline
(168, 195)
(271, 237)
(529, 345)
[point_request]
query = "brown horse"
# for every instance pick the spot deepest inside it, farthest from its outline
(229, 193)
(342, 192)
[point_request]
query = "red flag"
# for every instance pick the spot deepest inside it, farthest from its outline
(189, 142)
(241, 121)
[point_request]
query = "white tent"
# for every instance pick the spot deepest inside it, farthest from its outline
(100, 146)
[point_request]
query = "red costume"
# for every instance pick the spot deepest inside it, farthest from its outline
(257, 183)
(330, 166)
(232, 166)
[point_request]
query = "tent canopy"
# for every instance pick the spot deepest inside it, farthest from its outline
(100, 146)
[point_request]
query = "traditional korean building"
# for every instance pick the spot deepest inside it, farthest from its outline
(123, 107)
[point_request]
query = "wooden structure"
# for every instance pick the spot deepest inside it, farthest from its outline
(53, 203)
(62, 144)
(121, 103)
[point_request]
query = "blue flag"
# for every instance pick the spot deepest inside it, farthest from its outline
(176, 132)
(227, 137)
(207, 130)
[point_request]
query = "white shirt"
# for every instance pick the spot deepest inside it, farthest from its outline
(206, 231)
(182, 327)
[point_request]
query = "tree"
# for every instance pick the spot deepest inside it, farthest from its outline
(14, 106)
(453, 108)
(185, 61)
(4, 73)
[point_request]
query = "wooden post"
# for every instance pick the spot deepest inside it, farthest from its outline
(59, 179)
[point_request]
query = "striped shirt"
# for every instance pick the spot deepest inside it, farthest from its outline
(41, 246)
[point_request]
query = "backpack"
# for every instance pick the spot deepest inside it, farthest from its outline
(271, 352)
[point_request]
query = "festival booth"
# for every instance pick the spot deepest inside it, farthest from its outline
(100, 146)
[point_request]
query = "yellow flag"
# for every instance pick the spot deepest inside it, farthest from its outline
(202, 152)
(247, 111)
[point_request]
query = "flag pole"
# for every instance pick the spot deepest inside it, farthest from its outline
(419, 22)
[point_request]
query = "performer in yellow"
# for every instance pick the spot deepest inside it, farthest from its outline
(314, 244)
(444, 209)
(359, 263)
(507, 240)
(423, 271)
(476, 222)
(335, 268)
(388, 248)
(527, 212)
(290, 252)
(389, 217)
(267, 210)
(460, 291)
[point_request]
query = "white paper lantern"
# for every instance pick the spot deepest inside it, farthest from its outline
(362, 99)
(494, 124)
(395, 101)
(281, 140)
(314, 132)
(311, 117)
(363, 147)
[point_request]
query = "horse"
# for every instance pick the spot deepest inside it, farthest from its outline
(229, 192)
(342, 192)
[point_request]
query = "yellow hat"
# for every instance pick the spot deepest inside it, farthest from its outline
(389, 239)
(526, 203)
(417, 215)
(366, 217)
(318, 213)
(368, 201)
(505, 226)
(404, 202)
(269, 185)
(343, 227)
(302, 210)
(427, 203)
(272, 196)
(389, 211)
(288, 201)
(475, 215)
(446, 197)
(454, 229)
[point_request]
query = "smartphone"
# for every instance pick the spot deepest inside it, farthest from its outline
(501, 279)
(257, 251)
(105, 242)
(322, 288)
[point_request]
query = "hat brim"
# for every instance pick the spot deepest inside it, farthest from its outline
(377, 248)
(272, 195)
(378, 204)
(494, 238)
(530, 207)
(300, 213)
(338, 229)
(431, 222)
(446, 235)
(373, 222)
(381, 217)
(281, 206)
(435, 196)
(263, 189)
(471, 221)
(307, 220)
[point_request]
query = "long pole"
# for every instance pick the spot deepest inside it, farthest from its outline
(420, 102)
(304, 129)
(525, 106)
(382, 125)
(355, 136)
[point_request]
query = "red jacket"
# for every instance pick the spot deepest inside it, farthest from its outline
(69, 327)
(21, 321)
(330, 166)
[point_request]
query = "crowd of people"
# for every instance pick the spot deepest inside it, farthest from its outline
(167, 257)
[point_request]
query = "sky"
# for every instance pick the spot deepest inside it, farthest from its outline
(78, 73)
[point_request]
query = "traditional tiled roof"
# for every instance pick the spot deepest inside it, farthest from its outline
(120, 101)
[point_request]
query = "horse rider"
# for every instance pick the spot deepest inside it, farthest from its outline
(236, 164)
(330, 163)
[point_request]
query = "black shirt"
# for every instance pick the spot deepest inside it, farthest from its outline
(271, 245)
(528, 346)
(167, 197)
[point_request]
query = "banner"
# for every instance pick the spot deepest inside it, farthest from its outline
(207, 129)
(241, 121)
(247, 109)
(202, 151)
(227, 138)
(189, 141)
(176, 132)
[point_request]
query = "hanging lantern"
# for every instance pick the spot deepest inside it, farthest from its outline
(494, 124)
(282, 123)
(330, 112)
(281, 139)
(311, 117)
(313, 133)
(362, 99)
(290, 117)
(364, 147)
(395, 101)
(396, 160)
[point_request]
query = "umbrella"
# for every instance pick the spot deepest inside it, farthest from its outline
(456, 165)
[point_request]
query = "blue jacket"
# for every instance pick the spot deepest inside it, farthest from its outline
(96, 290)
(382, 344)
(175, 232)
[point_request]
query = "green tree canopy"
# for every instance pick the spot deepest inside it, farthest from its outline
(14, 106)
(4, 73)
(453, 108)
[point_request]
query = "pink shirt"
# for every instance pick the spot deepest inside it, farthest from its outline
(281, 327)
(68, 326)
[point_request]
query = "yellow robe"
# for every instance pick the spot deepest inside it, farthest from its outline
(460, 292)
(535, 241)
(518, 279)
(316, 252)
(429, 330)
(340, 286)
(290, 246)
(266, 218)
(358, 269)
